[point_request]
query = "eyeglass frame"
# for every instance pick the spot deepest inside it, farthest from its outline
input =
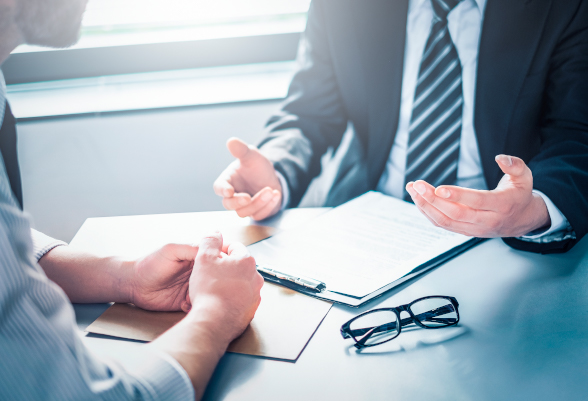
(346, 331)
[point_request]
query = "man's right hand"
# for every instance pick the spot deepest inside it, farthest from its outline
(224, 291)
(249, 185)
(225, 285)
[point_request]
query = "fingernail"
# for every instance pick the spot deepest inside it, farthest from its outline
(242, 201)
(419, 187)
(444, 193)
(504, 159)
(267, 196)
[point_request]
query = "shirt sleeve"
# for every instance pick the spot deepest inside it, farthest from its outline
(43, 356)
(559, 230)
(43, 243)
(285, 190)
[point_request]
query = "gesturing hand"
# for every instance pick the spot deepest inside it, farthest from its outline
(510, 210)
(160, 280)
(225, 286)
(249, 185)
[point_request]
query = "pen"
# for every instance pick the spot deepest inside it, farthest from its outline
(307, 283)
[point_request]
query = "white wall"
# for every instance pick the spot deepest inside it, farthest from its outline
(132, 163)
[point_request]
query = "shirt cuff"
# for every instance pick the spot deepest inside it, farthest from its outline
(285, 190)
(158, 374)
(559, 223)
(43, 243)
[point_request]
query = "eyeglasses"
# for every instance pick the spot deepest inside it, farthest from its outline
(379, 326)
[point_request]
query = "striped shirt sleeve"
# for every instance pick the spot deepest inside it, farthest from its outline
(41, 350)
(43, 243)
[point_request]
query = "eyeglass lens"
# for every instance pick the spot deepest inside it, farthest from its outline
(379, 326)
(434, 312)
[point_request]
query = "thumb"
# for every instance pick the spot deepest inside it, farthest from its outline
(211, 246)
(241, 150)
(511, 165)
(183, 252)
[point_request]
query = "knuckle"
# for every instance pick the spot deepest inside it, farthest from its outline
(444, 221)
(420, 202)
(459, 215)
(168, 247)
(227, 204)
(242, 213)
(249, 262)
(206, 256)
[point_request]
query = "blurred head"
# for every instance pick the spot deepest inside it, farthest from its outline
(53, 23)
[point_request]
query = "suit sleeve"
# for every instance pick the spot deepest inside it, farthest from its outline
(560, 170)
(312, 118)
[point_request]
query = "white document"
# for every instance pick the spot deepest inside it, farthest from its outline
(358, 247)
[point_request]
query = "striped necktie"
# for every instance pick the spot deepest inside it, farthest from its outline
(435, 125)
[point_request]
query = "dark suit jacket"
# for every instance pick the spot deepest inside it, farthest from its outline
(531, 98)
(9, 153)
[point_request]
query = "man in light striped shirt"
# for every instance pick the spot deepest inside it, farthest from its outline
(41, 353)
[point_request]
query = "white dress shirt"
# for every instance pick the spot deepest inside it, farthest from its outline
(465, 26)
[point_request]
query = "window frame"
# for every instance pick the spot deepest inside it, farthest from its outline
(51, 65)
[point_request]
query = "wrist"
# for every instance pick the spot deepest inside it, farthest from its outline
(539, 215)
(125, 284)
(207, 314)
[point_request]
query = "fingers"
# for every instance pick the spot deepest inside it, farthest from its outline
(211, 246)
(237, 201)
(222, 187)
(241, 150)
(475, 199)
(181, 251)
(454, 210)
(511, 165)
(438, 218)
(264, 200)
(270, 208)
(237, 250)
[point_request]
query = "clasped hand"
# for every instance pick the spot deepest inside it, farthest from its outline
(178, 276)
(510, 210)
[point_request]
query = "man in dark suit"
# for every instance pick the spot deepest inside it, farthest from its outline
(439, 92)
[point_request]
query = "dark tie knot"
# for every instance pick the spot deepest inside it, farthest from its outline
(442, 8)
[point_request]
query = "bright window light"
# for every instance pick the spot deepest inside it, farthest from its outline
(129, 22)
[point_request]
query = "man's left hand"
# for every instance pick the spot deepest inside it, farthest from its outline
(160, 280)
(510, 210)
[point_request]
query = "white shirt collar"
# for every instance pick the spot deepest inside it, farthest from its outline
(480, 3)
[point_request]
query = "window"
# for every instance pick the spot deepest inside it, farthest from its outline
(131, 22)
(129, 36)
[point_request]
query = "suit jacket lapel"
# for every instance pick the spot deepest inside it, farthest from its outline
(510, 35)
(381, 27)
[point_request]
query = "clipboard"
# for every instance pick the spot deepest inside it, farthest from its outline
(312, 285)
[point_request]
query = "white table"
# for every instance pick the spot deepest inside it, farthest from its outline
(523, 333)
